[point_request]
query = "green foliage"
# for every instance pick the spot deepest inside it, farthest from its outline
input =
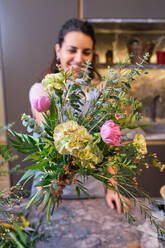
(14, 233)
(15, 230)
(5, 151)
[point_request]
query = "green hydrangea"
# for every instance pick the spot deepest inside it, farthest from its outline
(90, 156)
(69, 137)
(53, 81)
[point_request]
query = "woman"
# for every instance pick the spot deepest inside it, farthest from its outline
(75, 46)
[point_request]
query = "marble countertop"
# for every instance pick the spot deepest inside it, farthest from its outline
(91, 224)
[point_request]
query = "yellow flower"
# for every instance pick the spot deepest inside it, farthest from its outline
(8, 226)
(24, 221)
(53, 81)
(140, 143)
(87, 164)
(69, 137)
(22, 225)
(90, 156)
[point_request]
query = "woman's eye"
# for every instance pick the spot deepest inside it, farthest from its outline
(72, 51)
(87, 53)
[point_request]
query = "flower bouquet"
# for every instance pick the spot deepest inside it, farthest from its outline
(84, 138)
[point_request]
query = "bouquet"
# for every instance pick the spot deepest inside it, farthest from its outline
(81, 137)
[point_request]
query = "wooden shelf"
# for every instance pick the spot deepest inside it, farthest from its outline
(149, 66)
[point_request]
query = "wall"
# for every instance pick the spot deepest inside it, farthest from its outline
(28, 29)
(124, 9)
(2, 117)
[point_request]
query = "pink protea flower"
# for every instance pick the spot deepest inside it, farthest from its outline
(110, 133)
(42, 103)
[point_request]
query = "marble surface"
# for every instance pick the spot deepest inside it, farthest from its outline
(89, 223)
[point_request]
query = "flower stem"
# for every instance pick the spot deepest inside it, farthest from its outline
(48, 210)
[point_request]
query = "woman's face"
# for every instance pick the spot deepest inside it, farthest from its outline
(76, 49)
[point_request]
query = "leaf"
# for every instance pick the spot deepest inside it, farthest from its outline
(36, 166)
(30, 202)
(85, 192)
(78, 191)
(46, 196)
(53, 111)
(55, 186)
(83, 189)
(14, 134)
(81, 81)
(12, 235)
(32, 157)
(134, 118)
(24, 143)
(114, 97)
(119, 159)
(47, 140)
(127, 120)
(127, 85)
(28, 174)
(33, 140)
(21, 234)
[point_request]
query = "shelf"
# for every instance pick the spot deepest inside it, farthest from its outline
(128, 26)
(149, 66)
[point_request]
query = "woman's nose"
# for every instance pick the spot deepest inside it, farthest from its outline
(79, 57)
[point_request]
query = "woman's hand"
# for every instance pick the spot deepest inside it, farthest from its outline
(114, 201)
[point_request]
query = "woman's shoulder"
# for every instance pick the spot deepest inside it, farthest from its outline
(35, 91)
(36, 86)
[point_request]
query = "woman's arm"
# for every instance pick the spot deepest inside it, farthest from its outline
(112, 197)
(35, 92)
(38, 116)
